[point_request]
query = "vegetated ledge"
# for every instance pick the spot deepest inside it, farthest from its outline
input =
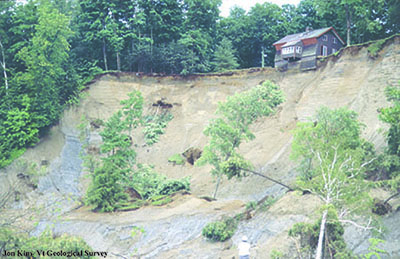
(140, 75)
(354, 49)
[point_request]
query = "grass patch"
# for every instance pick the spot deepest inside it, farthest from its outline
(160, 200)
(265, 205)
(132, 206)
(176, 159)
(137, 230)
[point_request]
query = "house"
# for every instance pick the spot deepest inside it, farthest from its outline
(301, 50)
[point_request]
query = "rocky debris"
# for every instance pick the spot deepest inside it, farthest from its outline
(381, 208)
(133, 194)
(162, 104)
(192, 154)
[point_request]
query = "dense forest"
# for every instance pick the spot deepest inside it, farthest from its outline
(49, 49)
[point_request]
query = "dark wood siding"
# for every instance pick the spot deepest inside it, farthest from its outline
(311, 50)
(330, 44)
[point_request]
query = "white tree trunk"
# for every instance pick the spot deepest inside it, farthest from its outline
(118, 62)
(348, 23)
(321, 235)
(105, 55)
(3, 65)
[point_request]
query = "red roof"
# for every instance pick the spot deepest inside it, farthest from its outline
(307, 35)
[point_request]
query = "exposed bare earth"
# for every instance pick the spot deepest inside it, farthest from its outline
(174, 231)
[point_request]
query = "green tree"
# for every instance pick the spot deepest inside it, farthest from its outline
(266, 25)
(45, 59)
(235, 28)
(102, 26)
(19, 130)
(201, 15)
(332, 148)
(132, 110)
(200, 27)
(106, 191)
(116, 144)
(227, 132)
(197, 47)
(361, 20)
(224, 58)
(37, 72)
(391, 116)
(393, 19)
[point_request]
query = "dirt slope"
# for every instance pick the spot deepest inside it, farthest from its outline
(352, 80)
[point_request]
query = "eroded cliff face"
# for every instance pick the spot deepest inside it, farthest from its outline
(174, 231)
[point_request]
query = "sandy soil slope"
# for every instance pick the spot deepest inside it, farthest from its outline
(174, 231)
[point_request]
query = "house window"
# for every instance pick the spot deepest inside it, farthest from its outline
(334, 40)
(334, 51)
(325, 38)
(324, 50)
(287, 50)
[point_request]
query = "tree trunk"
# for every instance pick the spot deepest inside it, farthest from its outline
(140, 49)
(391, 197)
(269, 178)
(151, 50)
(262, 57)
(321, 236)
(3, 64)
(118, 62)
(348, 21)
(217, 186)
(105, 55)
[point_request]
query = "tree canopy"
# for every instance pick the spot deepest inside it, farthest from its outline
(331, 151)
(231, 128)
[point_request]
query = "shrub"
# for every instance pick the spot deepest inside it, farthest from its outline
(373, 250)
(375, 47)
(252, 205)
(13, 241)
(150, 184)
(172, 186)
(308, 236)
(146, 181)
(276, 254)
(220, 230)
